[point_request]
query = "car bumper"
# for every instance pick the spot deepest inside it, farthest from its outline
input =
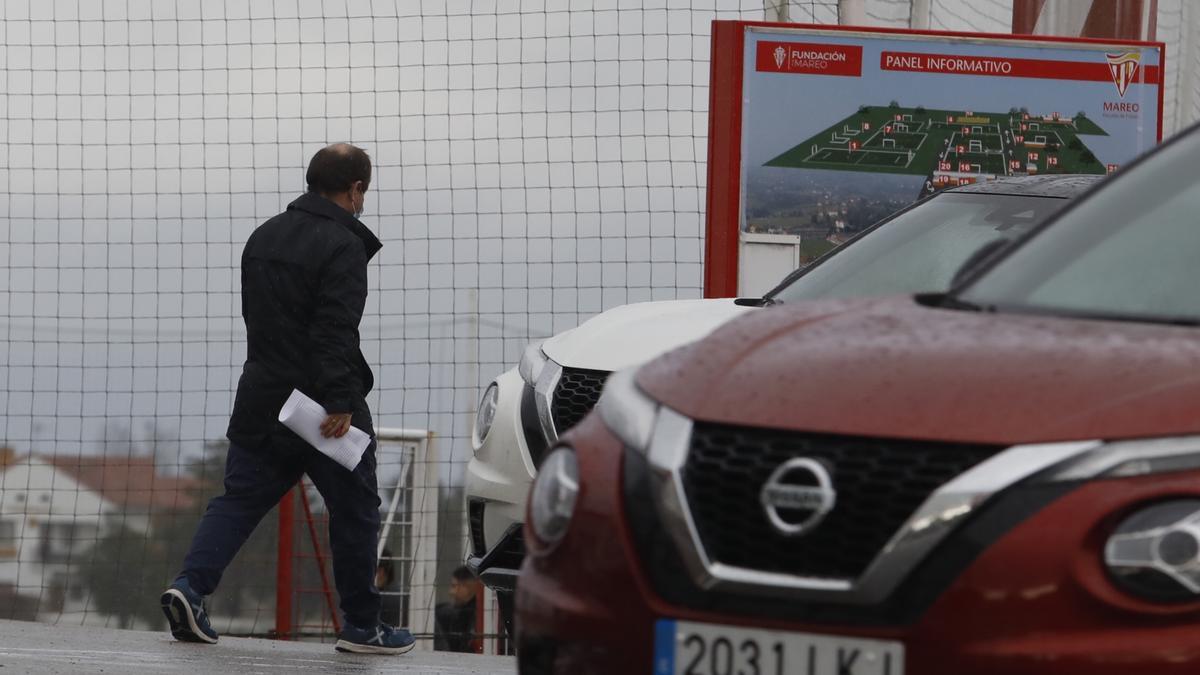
(498, 567)
(1032, 600)
(497, 484)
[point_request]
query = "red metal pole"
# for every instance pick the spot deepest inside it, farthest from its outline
(316, 542)
(478, 642)
(283, 580)
(723, 200)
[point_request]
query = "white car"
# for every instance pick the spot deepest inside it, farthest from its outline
(921, 249)
(556, 385)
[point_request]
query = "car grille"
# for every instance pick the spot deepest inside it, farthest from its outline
(577, 393)
(879, 484)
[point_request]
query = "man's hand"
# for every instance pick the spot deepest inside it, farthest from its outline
(336, 426)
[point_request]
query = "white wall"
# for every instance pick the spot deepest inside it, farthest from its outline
(33, 494)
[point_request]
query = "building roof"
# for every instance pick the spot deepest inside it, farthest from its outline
(130, 482)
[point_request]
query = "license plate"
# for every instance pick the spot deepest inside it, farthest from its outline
(684, 648)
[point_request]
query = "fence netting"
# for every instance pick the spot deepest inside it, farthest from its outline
(536, 162)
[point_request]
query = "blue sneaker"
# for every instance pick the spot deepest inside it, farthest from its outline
(185, 612)
(382, 639)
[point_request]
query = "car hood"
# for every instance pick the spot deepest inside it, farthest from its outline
(893, 368)
(632, 334)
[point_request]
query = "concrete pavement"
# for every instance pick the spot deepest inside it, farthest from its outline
(27, 647)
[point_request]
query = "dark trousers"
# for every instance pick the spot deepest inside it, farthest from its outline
(255, 480)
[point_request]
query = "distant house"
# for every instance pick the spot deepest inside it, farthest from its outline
(53, 509)
(132, 482)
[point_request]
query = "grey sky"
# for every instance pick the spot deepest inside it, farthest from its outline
(535, 164)
(537, 161)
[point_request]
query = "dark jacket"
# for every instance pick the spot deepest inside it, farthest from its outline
(304, 285)
(454, 627)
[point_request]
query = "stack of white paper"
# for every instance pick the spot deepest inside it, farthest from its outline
(304, 416)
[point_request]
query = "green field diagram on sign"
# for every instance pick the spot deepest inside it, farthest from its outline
(950, 146)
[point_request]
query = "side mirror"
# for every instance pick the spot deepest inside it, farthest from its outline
(980, 256)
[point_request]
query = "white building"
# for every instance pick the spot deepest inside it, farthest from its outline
(47, 519)
(54, 509)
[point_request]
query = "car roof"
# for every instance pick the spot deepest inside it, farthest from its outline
(1061, 186)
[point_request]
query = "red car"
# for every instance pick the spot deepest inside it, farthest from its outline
(1002, 479)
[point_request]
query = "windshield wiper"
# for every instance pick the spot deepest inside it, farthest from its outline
(755, 302)
(1177, 321)
(947, 301)
(1167, 320)
(1098, 315)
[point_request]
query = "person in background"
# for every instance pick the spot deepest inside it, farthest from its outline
(454, 621)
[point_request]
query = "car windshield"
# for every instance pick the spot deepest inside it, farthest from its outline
(919, 250)
(1130, 251)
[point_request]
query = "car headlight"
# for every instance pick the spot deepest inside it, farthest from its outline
(1154, 554)
(628, 412)
(487, 412)
(532, 363)
(552, 501)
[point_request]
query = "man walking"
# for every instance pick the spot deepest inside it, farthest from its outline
(304, 286)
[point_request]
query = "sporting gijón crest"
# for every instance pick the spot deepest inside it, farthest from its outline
(1124, 68)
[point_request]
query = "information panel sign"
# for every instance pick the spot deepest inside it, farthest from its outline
(819, 131)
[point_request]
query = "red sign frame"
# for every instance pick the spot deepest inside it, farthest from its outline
(724, 191)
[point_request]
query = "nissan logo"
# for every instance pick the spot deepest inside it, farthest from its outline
(798, 495)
